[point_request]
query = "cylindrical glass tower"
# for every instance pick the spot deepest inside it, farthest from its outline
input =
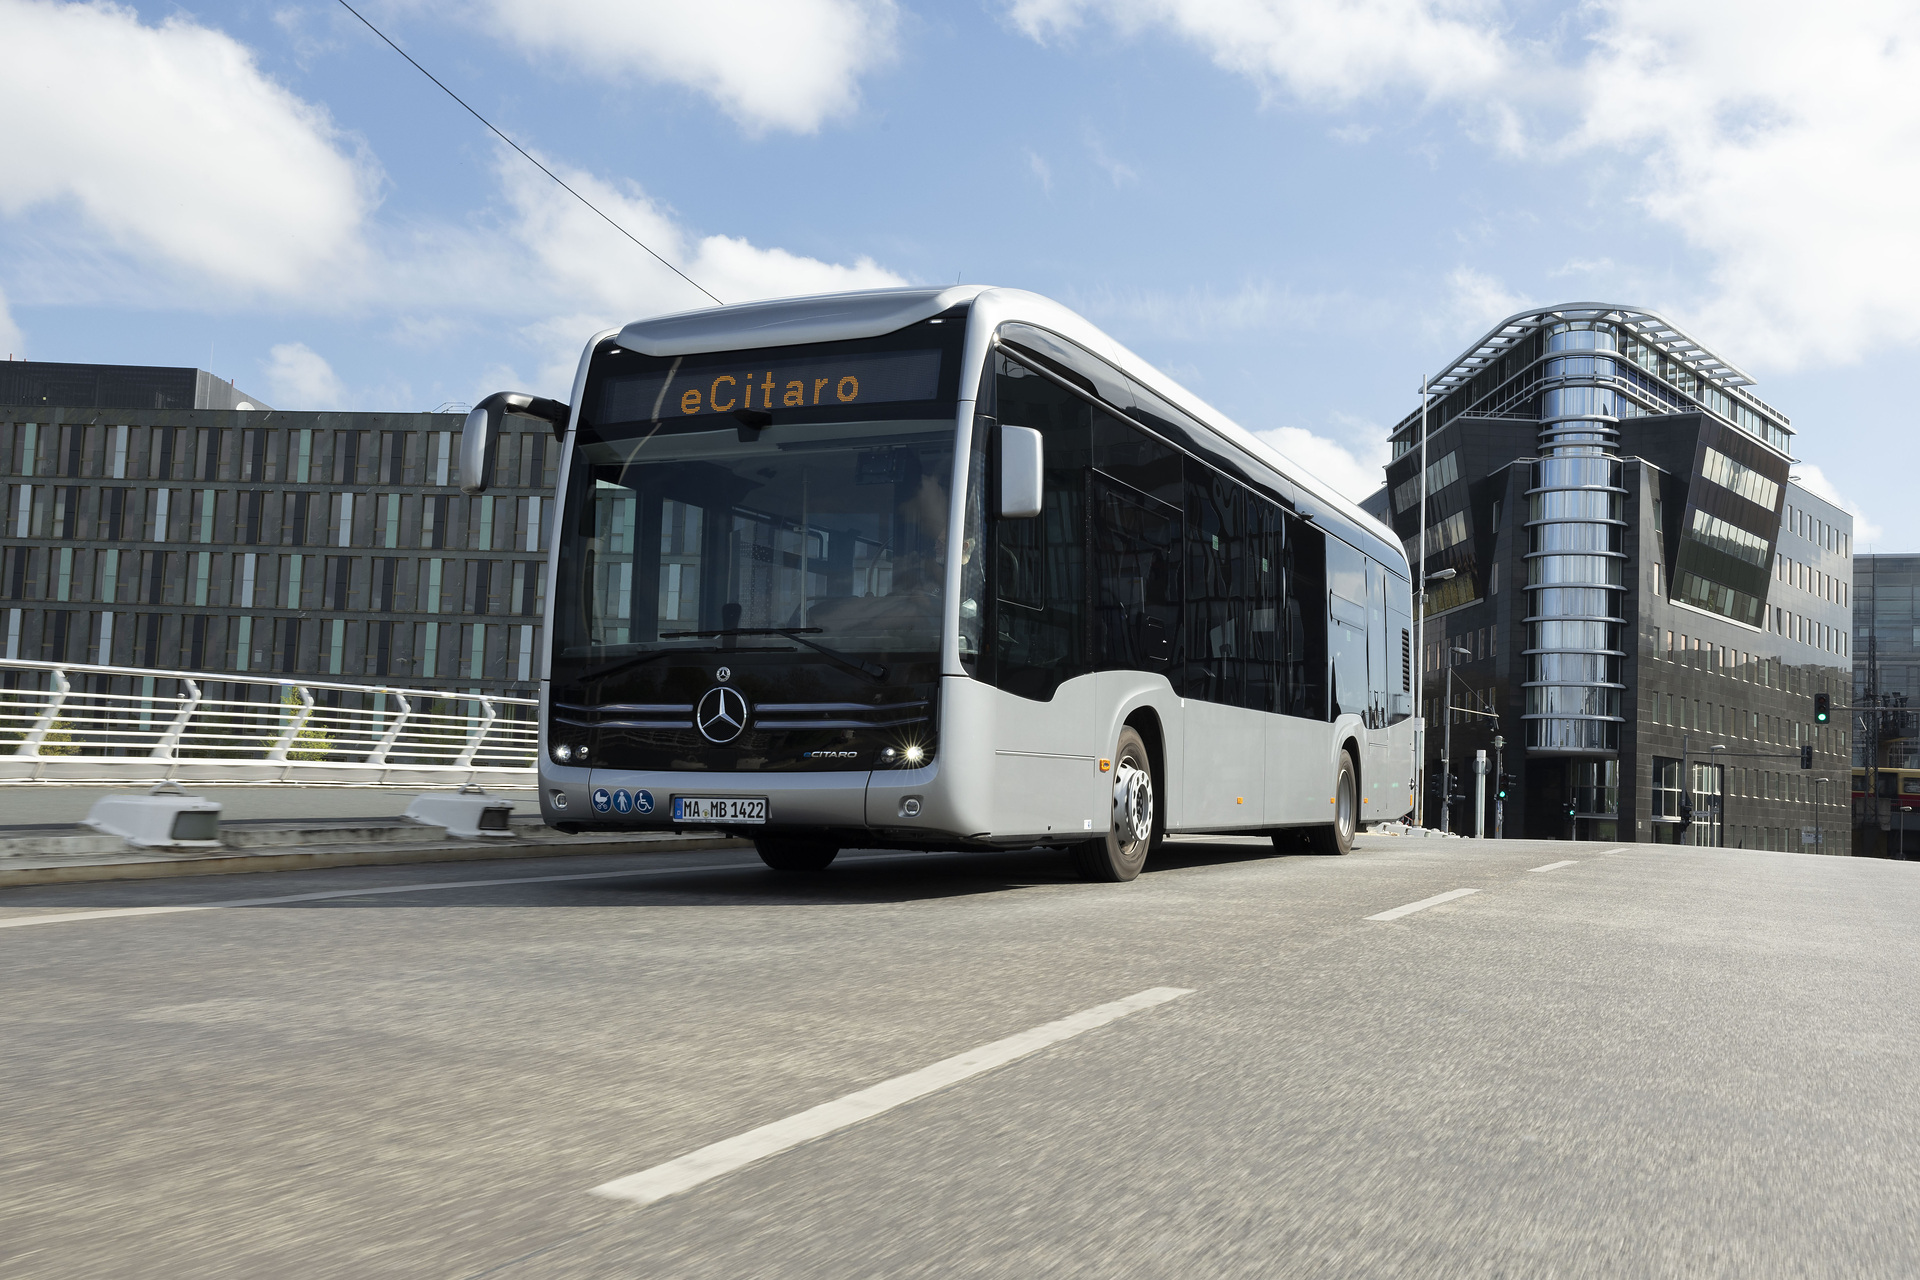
(1575, 561)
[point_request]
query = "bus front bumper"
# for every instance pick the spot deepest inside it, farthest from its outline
(909, 807)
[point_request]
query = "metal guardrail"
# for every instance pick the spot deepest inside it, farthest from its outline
(76, 722)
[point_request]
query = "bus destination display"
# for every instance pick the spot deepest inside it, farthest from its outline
(709, 385)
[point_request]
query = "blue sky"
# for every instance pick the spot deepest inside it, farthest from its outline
(1296, 207)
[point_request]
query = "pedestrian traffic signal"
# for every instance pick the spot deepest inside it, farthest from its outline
(1822, 709)
(1806, 755)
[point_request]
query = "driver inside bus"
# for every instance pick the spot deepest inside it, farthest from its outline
(907, 615)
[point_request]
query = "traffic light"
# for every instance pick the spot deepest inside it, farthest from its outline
(1506, 784)
(1686, 814)
(1822, 710)
(1806, 754)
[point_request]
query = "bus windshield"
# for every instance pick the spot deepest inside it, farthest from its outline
(705, 531)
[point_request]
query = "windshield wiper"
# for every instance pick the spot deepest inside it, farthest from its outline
(639, 659)
(797, 634)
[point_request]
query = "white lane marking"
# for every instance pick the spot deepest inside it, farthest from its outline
(115, 913)
(1554, 866)
(1423, 904)
(1621, 849)
(696, 1167)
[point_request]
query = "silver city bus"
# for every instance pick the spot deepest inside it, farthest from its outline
(946, 569)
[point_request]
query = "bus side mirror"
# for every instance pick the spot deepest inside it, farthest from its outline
(1022, 462)
(480, 437)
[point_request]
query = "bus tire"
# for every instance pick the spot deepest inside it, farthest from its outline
(1337, 836)
(796, 856)
(1134, 822)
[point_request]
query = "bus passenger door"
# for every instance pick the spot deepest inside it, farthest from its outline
(1223, 783)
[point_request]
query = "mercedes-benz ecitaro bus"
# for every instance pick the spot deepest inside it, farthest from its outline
(947, 569)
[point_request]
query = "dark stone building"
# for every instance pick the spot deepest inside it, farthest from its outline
(41, 384)
(1642, 603)
(221, 539)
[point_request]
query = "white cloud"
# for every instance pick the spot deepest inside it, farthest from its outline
(771, 64)
(1040, 170)
(1475, 303)
(298, 377)
(1779, 138)
(167, 143)
(1866, 531)
(1354, 474)
(11, 338)
(1119, 174)
(1346, 469)
(579, 275)
(1776, 137)
(1199, 314)
(182, 175)
(1320, 52)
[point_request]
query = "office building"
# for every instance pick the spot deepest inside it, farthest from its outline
(1628, 588)
(1886, 705)
(249, 540)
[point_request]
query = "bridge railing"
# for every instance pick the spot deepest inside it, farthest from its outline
(77, 722)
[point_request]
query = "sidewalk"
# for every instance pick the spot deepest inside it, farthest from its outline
(282, 828)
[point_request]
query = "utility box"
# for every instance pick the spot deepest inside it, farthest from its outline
(165, 818)
(467, 814)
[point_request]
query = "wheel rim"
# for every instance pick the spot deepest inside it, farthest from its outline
(1132, 806)
(1345, 808)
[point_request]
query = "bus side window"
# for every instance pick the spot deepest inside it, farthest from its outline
(1347, 627)
(1136, 548)
(1266, 621)
(1379, 671)
(1303, 577)
(1038, 636)
(1216, 633)
(1136, 567)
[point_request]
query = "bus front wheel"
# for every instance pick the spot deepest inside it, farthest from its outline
(1337, 836)
(796, 855)
(1134, 825)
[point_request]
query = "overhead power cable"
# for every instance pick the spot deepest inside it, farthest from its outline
(530, 160)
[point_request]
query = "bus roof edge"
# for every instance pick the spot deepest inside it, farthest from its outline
(787, 322)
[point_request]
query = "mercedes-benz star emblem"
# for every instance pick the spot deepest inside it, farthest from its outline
(721, 715)
(723, 675)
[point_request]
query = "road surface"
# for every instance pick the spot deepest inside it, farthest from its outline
(1641, 1061)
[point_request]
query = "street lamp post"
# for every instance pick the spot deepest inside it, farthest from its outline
(1446, 749)
(1720, 791)
(1686, 786)
(1500, 787)
(1819, 826)
(1420, 625)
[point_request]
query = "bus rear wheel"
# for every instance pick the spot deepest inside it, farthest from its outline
(1337, 836)
(1134, 825)
(796, 855)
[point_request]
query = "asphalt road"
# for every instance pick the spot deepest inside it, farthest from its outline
(1652, 1061)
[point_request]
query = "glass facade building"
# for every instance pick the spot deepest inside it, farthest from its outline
(1642, 602)
(1886, 705)
(327, 545)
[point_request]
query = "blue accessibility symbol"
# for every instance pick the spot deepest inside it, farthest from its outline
(643, 802)
(622, 801)
(602, 801)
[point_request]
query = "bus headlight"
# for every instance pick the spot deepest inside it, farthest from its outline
(907, 755)
(563, 753)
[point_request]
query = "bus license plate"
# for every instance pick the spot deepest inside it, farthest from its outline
(719, 809)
